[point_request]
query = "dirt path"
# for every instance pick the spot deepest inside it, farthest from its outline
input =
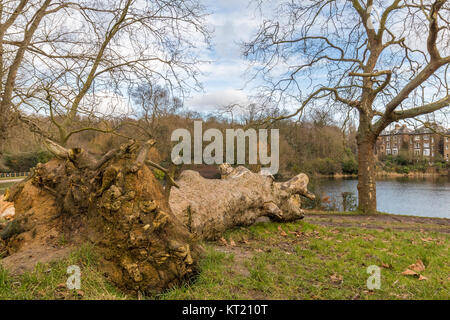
(381, 221)
(10, 180)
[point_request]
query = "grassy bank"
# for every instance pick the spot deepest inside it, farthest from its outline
(324, 257)
(4, 186)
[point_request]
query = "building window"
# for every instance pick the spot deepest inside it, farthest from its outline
(417, 138)
(426, 137)
(387, 138)
(394, 152)
(426, 145)
(417, 152)
(388, 151)
(426, 152)
(417, 146)
(388, 145)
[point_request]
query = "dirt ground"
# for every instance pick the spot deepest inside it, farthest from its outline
(379, 221)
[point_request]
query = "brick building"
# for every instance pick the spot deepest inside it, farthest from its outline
(446, 146)
(422, 143)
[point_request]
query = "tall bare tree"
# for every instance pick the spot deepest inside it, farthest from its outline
(19, 23)
(335, 53)
(84, 57)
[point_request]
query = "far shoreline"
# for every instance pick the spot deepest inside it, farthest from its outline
(385, 174)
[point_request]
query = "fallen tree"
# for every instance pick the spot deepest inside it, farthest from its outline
(208, 207)
(116, 203)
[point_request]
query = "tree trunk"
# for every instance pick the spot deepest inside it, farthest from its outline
(367, 199)
(208, 207)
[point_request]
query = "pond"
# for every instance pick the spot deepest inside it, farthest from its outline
(427, 197)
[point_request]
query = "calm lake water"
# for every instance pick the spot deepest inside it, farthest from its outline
(427, 197)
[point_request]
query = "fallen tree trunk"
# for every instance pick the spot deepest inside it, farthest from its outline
(208, 207)
(145, 244)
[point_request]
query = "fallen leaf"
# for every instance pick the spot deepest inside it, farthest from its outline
(408, 272)
(386, 266)
(232, 243)
(284, 234)
(80, 293)
(418, 266)
(61, 286)
(223, 241)
(421, 277)
(427, 239)
(336, 278)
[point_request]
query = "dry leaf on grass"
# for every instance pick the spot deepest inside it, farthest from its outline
(427, 239)
(336, 278)
(223, 241)
(284, 234)
(421, 277)
(418, 266)
(232, 243)
(408, 272)
(386, 266)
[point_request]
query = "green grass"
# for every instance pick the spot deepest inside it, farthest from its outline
(272, 266)
(300, 261)
(46, 281)
(5, 185)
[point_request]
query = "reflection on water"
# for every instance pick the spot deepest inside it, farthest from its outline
(428, 197)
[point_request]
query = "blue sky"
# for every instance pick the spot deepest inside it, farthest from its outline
(223, 80)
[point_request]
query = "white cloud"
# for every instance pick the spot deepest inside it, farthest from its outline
(212, 100)
(233, 22)
(107, 104)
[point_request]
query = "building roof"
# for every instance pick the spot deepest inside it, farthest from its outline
(398, 130)
(422, 130)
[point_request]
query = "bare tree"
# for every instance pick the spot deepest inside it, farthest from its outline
(82, 59)
(19, 23)
(334, 53)
(153, 103)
